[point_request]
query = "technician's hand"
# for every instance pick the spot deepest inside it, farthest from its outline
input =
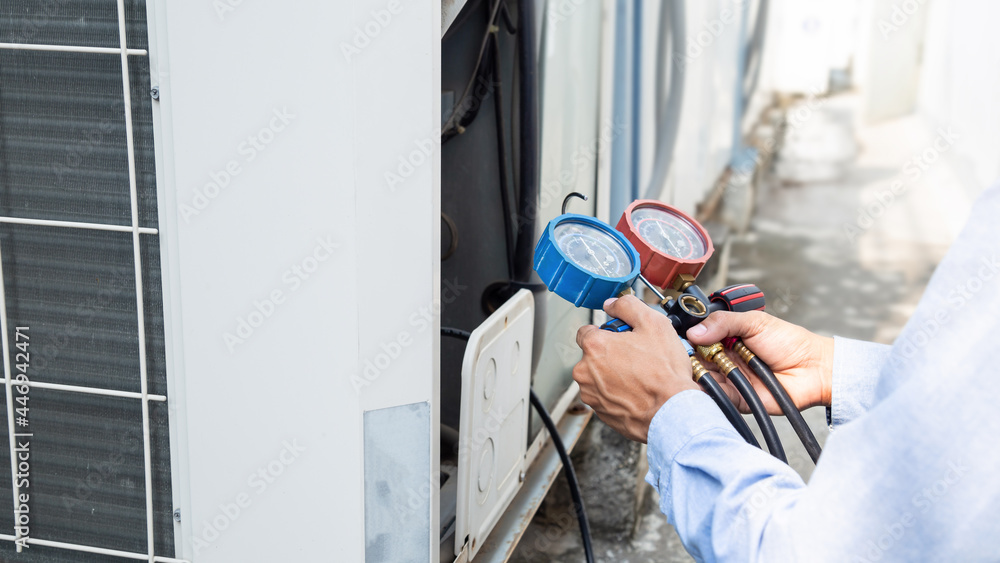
(801, 360)
(627, 376)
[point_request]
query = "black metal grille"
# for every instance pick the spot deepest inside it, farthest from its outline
(63, 158)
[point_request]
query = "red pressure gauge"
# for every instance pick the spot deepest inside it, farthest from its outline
(670, 243)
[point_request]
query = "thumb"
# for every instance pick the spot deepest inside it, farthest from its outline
(723, 324)
(630, 309)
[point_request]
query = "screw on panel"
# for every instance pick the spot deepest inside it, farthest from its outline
(520, 477)
(155, 93)
(177, 515)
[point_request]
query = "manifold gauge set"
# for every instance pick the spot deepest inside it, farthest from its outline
(587, 261)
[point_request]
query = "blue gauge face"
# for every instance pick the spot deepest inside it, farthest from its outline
(668, 233)
(592, 249)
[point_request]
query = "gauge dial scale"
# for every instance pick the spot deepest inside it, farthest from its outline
(669, 242)
(584, 260)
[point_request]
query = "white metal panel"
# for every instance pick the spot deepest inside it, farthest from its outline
(571, 134)
(309, 243)
(496, 377)
(571, 138)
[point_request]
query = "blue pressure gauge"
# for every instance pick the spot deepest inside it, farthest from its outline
(584, 260)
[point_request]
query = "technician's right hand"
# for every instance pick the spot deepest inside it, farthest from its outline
(802, 360)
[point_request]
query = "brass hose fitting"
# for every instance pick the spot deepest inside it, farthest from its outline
(715, 353)
(743, 351)
(709, 352)
(697, 369)
(682, 282)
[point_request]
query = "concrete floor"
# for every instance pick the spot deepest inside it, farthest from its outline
(833, 253)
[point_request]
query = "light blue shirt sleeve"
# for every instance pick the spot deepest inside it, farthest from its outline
(856, 366)
(714, 488)
(910, 473)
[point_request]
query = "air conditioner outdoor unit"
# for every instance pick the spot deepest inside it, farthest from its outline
(215, 298)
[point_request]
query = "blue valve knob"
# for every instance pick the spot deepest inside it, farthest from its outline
(584, 260)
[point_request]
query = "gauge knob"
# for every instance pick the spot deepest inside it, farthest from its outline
(738, 298)
(669, 242)
(584, 260)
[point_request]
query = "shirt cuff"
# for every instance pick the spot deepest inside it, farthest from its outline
(856, 367)
(686, 415)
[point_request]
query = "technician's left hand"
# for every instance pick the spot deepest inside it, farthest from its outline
(627, 376)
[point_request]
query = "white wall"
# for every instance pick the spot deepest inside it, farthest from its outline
(960, 83)
(803, 44)
(889, 57)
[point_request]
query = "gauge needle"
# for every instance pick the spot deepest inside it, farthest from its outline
(666, 236)
(593, 255)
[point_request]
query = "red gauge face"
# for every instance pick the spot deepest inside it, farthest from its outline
(670, 243)
(668, 233)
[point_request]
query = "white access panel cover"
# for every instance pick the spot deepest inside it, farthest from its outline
(493, 438)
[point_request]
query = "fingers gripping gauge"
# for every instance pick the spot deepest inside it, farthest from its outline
(669, 242)
(585, 261)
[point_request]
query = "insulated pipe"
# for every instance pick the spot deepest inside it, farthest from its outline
(668, 116)
(754, 54)
(528, 147)
(505, 197)
(745, 85)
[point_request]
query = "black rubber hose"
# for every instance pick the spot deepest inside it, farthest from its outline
(528, 135)
(456, 333)
(714, 390)
(459, 118)
(763, 419)
(574, 485)
(463, 16)
(505, 198)
(787, 406)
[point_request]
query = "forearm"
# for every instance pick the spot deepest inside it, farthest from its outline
(717, 491)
